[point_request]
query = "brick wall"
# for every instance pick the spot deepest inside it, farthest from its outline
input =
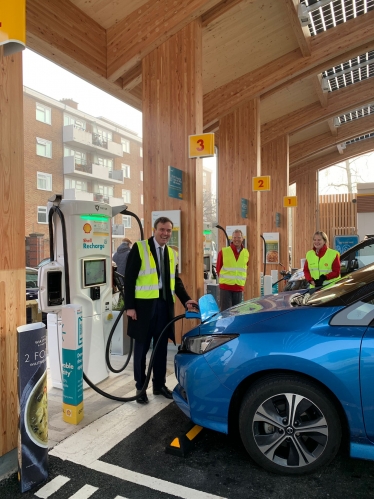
(34, 163)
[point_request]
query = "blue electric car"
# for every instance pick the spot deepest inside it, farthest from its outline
(294, 373)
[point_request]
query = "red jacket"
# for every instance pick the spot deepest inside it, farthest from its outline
(219, 264)
(335, 266)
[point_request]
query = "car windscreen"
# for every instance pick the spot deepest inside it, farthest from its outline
(347, 290)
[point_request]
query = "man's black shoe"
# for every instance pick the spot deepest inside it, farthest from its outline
(164, 390)
(143, 399)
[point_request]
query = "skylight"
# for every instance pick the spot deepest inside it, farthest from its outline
(356, 114)
(359, 139)
(353, 71)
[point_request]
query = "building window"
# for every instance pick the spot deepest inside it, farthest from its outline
(126, 170)
(106, 190)
(43, 147)
(126, 196)
(72, 120)
(101, 137)
(79, 185)
(42, 215)
(126, 220)
(107, 162)
(44, 181)
(141, 199)
(125, 145)
(141, 152)
(43, 113)
(141, 175)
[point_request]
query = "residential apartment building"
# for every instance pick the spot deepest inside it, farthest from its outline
(70, 152)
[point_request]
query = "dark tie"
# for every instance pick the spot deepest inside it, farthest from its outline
(162, 270)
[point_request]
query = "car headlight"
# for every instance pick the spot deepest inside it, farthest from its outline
(202, 344)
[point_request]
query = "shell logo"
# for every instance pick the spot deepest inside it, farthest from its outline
(87, 228)
(69, 412)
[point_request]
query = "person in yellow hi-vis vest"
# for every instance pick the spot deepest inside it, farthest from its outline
(322, 264)
(231, 267)
(151, 284)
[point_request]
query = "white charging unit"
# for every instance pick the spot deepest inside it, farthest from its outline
(88, 245)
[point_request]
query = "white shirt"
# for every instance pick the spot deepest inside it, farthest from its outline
(158, 258)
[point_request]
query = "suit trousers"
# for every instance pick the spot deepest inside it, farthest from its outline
(158, 321)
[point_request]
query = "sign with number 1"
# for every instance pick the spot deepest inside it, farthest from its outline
(201, 146)
(289, 201)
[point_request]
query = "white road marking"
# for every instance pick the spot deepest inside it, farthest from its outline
(52, 486)
(120, 497)
(151, 482)
(98, 438)
(85, 492)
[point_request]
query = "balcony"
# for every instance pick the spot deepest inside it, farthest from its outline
(89, 171)
(77, 137)
(76, 194)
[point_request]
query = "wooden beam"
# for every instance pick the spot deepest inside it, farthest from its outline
(340, 101)
(218, 10)
(302, 33)
(323, 96)
(147, 28)
(132, 78)
(66, 36)
(330, 159)
(333, 128)
(62, 25)
(348, 131)
(328, 49)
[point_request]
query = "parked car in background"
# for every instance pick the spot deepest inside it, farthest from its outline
(354, 258)
(292, 373)
(32, 292)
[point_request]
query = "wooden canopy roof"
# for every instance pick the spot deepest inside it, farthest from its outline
(251, 48)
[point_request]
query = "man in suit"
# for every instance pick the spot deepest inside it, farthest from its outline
(151, 284)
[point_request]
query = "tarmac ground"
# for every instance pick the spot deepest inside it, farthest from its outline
(118, 452)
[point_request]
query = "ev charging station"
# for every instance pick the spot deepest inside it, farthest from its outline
(82, 255)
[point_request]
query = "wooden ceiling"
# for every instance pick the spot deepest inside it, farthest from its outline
(251, 48)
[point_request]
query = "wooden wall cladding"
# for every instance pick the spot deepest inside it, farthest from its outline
(365, 203)
(239, 161)
(337, 215)
(275, 162)
(304, 222)
(172, 110)
(12, 255)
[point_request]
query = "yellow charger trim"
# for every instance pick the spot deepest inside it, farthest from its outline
(194, 432)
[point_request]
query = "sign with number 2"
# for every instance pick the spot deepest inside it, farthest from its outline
(261, 183)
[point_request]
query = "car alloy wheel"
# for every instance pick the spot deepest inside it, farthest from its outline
(288, 425)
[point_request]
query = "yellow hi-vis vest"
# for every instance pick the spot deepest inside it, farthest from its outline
(146, 286)
(321, 266)
(233, 271)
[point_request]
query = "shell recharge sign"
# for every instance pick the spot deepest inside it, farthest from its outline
(12, 26)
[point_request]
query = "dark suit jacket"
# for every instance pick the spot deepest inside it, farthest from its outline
(144, 307)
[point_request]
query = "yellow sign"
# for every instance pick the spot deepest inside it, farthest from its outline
(201, 146)
(13, 25)
(261, 183)
(289, 201)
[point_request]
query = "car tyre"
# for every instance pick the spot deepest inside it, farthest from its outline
(289, 425)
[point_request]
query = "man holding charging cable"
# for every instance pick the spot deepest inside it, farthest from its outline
(151, 284)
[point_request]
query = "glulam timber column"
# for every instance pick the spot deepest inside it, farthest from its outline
(305, 220)
(12, 230)
(238, 161)
(172, 110)
(275, 162)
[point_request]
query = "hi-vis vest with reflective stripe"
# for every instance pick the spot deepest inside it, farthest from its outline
(146, 286)
(233, 271)
(321, 266)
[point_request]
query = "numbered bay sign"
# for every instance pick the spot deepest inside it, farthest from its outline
(289, 201)
(261, 183)
(201, 146)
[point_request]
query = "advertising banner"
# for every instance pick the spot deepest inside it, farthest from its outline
(72, 364)
(343, 243)
(271, 247)
(33, 417)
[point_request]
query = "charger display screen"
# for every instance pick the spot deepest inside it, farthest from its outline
(94, 272)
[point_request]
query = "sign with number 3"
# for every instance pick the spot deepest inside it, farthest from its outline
(201, 146)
